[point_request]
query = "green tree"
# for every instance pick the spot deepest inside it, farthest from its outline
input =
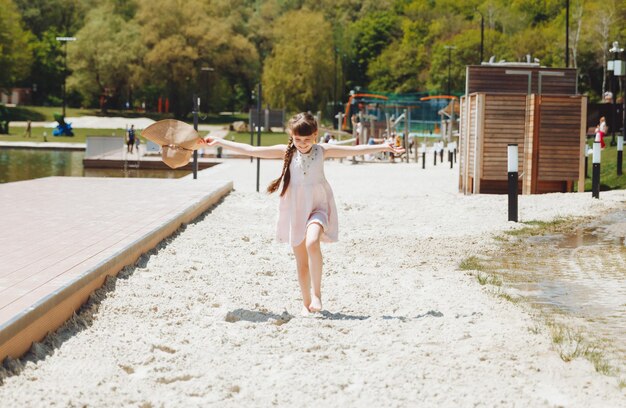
(47, 70)
(63, 16)
(48, 19)
(298, 75)
(370, 36)
(182, 36)
(106, 56)
(15, 48)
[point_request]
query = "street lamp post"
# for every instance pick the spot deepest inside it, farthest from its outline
(207, 70)
(65, 40)
(196, 107)
(335, 88)
(253, 123)
(566, 33)
(616, 67)
(449, 48)
(482, 36)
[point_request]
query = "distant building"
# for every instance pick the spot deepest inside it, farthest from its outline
(16, 96)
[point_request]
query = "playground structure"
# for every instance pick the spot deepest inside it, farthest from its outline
(534, 107)
(63, 128)
(412, 114)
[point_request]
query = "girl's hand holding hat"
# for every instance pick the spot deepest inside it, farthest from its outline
(395, 149)
(209, 141)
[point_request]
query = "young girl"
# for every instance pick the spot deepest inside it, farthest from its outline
(601, 130)
(307, 212)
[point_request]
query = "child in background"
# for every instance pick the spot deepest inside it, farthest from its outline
(307, 212)
(137, 143)
(601, 130)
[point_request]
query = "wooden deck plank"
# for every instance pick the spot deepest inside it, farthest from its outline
(62, 235)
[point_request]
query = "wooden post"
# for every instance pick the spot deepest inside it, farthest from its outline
(258, 135)
(407, 114)
(196, 103)
(478, 148)
(583, 144)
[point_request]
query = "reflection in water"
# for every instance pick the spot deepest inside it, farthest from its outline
(135, 173)
(27, 164)
(582, 275)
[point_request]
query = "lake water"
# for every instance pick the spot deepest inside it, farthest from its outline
(27, 164)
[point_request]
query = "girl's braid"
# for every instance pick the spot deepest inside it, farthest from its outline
(285, 175)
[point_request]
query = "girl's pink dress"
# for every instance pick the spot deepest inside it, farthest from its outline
(308, 199)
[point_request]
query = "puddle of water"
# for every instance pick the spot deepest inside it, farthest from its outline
(581, 275)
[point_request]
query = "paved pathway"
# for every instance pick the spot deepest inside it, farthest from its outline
(61, 236)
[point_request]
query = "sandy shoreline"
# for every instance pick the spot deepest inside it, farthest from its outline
(212, 315)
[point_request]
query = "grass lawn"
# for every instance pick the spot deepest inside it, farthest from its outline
(46, 113)
(267, 139)
(43, 113)
(609, 180)
(80, 135)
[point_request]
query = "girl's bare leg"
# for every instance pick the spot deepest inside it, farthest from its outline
(313, 234)
(304, 278)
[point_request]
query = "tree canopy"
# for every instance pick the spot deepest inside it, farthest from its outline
(299, 71)
(302, 50)
(15, 45)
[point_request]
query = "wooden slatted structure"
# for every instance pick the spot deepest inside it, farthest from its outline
(556, 143)
(549, 130)
(538, 109)
(521, 79)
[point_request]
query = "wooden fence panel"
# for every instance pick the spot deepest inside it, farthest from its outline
(505, 123)
(559, 138)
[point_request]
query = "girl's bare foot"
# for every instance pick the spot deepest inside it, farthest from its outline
(316, 304)
(305, 311)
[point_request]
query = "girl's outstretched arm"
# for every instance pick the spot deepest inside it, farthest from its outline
(263, 152)
(346, 151)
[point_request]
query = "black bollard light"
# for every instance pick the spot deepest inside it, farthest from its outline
(252, 123)
(258, 133)
(512, 161)
(435, 155)
(595, 176)
(424, 155)
(620, 152)
(450, 159)
(441, 153)
(586, 164)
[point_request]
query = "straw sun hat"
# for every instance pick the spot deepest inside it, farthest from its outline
(177, 140)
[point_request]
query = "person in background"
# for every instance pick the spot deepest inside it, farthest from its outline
(130, 139)
(601, 131)
(28, 132)
(137, 143)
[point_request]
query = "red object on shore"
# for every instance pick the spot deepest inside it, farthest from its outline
(600, 138)
(159, 104)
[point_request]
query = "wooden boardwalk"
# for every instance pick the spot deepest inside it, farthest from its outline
(61, 236)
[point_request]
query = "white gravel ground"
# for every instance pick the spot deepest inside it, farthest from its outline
(212, 315)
